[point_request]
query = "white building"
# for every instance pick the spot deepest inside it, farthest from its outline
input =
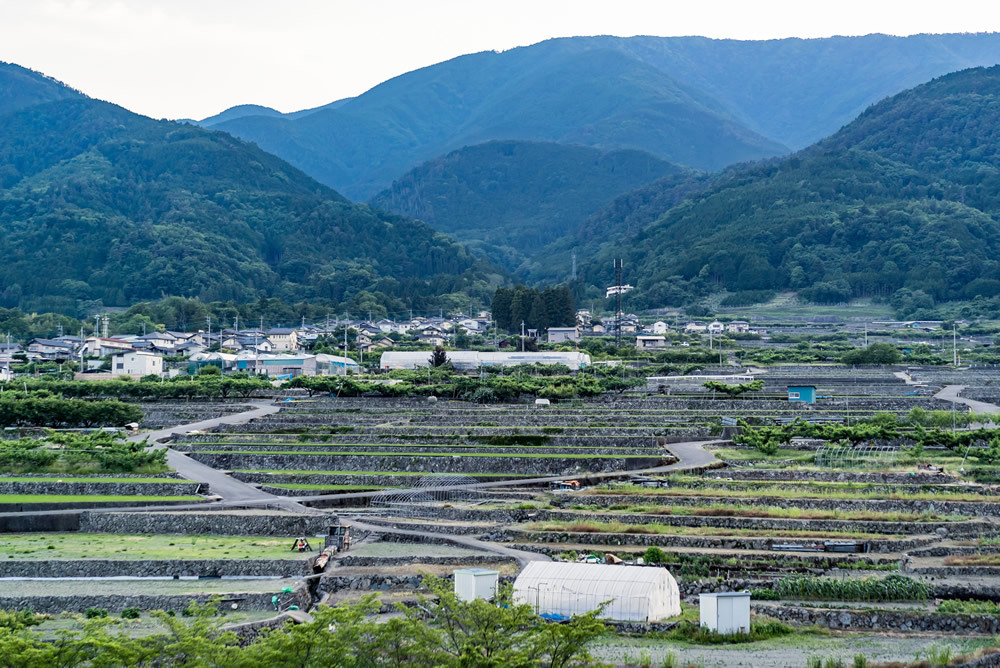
(283, 338)
(560, 334)
(725, 612)
(647, 342)
(716, 327)
(136, 363)
(634, 593)
(694, 328)
(738, 326)
(615, 289)
(660, 327)
(469, 360)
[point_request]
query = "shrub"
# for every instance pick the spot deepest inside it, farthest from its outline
(654, 555)
(95, 613)
(131, 613)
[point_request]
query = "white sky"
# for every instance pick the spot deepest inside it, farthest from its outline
(194, 58)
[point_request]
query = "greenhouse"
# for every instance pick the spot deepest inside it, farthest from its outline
(633, 593)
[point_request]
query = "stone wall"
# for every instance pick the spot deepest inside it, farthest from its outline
(115, 603)
(212, 522)
(422, 463)
(881, 620)
(104, 568)
(116, 488)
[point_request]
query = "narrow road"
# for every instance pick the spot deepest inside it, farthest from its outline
(232, 491)
(522, 556)
(951, 392)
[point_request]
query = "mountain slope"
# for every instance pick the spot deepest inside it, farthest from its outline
(511, 198)
(595, 97)
(892, 201)
(695, 101)
(21, 87)
(99, 203)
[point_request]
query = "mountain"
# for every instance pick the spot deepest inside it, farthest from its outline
(551, 92)
(99, 203)
(903, 201)
(511, 198)
(239, 111)
(694, 101)
(21, 87)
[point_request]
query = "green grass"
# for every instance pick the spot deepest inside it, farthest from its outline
(652, 455)
(383, 473)
(724, 510)
(335, 488)
(34, 546)
(661, 529)
(636, 490)
(69, 478)
(78, 498)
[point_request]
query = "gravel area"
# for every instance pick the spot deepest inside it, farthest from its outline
(782, 652)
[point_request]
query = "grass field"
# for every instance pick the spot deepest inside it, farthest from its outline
(70, 478)
(80, 498)
(33, 546)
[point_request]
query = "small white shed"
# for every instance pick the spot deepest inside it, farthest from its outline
(726, 612)
(473, 583)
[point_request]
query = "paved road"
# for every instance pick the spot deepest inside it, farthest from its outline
(231, 490)
(522, 556)
(950, 393)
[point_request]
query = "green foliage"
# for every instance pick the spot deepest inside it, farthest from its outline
(959, 607)
(438, 357)
(69, 452)
(876, 353)
(734, 390)
(442, 631)
(131, 613)
(513, 197)
(760, 629)
(890, 588)
(113, 205)
(95, 613)
(538, 309)
(654, 555)
(16, 620)
(20, 410)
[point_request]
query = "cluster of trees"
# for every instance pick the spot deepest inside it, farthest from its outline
(876, 353)
(537, 309)
(41, 409)
(442, 381)
(150, 388)
(122, 217)
(440, 630)
(66, 452)
(734, 390)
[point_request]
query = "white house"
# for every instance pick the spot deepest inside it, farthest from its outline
(283, 338)
(660, 327)
(560, 334)
(646, 342)
(694, 328)
(716, 327)
(738, 326)
(136, 363)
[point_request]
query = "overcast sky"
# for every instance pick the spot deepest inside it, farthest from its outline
(194, 58)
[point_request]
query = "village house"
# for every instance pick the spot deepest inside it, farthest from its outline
(283, 338)
(648, 342)
(137, 364)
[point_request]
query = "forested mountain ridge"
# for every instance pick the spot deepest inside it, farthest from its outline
(899, 202)
(99, 203)
(595, 96)
(510, 198)
(695, 101)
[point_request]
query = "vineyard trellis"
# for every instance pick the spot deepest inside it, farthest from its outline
(427, 496)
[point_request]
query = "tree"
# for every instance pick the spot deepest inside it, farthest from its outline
(734, 390)
(438, 357)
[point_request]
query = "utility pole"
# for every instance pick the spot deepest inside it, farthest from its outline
(866, 335)
(208, 321)
(522, 336)
(618, 308)
(954, 344)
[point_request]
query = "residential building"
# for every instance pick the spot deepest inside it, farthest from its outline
(616, 289)
(647, 342)
(99, 347)
(695, 328)
(283, 338)
(136, 363)
(660, 327)
(560, 334)
(738, 327)
(716, 327)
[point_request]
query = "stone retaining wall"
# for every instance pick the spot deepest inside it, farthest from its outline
(418, 449)
(858, 526)
(213, 522)
(115, 603)
(837, 476)
(414, 463)
(665, 540)
(881, 620)
(114, 488)
(105, 568)
(965, 508)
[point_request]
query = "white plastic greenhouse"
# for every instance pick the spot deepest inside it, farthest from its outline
(636, 593)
